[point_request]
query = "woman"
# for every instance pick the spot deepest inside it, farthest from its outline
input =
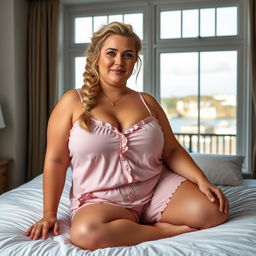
(122, 150)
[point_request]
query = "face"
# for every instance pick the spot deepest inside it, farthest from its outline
(116, 61)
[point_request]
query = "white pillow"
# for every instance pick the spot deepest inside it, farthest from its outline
(220, 169)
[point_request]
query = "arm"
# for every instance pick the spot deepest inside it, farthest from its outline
(55, 165)
(178, 160)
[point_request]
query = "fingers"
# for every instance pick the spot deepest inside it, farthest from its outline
(210, 195)
(27, 233)
(223, 202)
(56, 229)
(35, 231)
(38, 231)
(220, 197)
(45, 230)
(41, 228)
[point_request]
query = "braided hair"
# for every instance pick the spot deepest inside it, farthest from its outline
(91, 86)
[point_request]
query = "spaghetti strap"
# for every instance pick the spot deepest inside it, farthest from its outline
(144, 102)
(79, 94)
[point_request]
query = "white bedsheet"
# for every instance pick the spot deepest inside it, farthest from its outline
(22, 206)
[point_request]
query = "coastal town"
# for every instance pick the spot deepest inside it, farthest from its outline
(208, 129)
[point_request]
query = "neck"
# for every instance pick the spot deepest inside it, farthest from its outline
(114, 95)
(114, 92)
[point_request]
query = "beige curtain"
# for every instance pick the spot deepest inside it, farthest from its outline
(253, 65)
(42, 77)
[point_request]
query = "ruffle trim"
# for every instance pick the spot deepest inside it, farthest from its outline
(173, 190)
(127, 130)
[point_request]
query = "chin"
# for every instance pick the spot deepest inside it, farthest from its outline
(118, 83)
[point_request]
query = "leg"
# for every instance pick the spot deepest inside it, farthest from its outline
(102, 225)
(191, 207)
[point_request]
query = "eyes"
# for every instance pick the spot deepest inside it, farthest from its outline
(126, 55)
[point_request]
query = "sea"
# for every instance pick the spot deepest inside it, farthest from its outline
(221, 125)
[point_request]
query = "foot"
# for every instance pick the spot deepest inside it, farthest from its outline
(173, 230)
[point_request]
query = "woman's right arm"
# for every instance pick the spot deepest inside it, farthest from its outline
(55, 165)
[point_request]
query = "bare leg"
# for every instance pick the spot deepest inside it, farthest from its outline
(191, 207)
(101, 225)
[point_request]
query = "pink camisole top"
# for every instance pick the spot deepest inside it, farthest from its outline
(108, 164)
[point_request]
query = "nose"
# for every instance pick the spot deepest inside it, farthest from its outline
(118, 60)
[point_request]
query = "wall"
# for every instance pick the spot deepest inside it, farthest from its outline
(13, 86)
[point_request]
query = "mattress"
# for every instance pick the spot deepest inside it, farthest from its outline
(21, 207)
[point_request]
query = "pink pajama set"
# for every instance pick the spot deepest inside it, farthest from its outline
(123, 168)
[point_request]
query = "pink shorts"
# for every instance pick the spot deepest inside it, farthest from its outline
(163, 193)
(151, 211)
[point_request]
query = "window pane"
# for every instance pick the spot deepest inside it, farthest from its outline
(136, 20)
(134, 84)
(85, 26)
(112, 18)
(179, 90)
(170, 24)
(226, 21)
(98, 22)
(79, 70)
(83, 30)
(207, 22)
(190, 23)
(218, 91)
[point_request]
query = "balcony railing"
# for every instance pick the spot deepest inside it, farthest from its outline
(208, 143)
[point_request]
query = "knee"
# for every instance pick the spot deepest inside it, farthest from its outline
(88, 236)
(208, 215)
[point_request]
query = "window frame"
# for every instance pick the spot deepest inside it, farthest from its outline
(72, 49)
(152, 46)
(218, 43)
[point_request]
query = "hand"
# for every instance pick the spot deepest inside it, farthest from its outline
(212, 192)
(42, 227)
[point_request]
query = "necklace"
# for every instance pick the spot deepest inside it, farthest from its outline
(113, 103)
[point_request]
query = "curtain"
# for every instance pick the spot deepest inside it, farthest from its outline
(42, 77)
(252, 9)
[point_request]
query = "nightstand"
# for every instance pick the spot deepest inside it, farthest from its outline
(3, 174)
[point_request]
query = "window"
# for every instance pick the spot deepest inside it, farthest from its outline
(198, 51)
(198, 93)
(203, 22)
(85, 26)
(194, 62)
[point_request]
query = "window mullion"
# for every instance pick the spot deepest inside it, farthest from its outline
(199, 100)
(215, 9)
(181, 24)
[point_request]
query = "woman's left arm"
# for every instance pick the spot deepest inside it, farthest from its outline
(179, 161)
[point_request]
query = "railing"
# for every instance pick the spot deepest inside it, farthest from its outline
(208, 142)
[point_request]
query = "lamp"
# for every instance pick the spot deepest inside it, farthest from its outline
(2, 124)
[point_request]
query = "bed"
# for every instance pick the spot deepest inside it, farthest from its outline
(22, 206)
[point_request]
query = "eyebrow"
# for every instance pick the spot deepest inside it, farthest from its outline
(113, 49)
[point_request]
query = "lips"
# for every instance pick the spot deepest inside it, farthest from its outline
(118, 71)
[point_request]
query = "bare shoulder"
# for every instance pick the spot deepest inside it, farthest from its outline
(66, 106)
(70, 97)
(153, 104)
(68, 101)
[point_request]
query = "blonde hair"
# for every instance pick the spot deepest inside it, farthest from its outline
(91, 85)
